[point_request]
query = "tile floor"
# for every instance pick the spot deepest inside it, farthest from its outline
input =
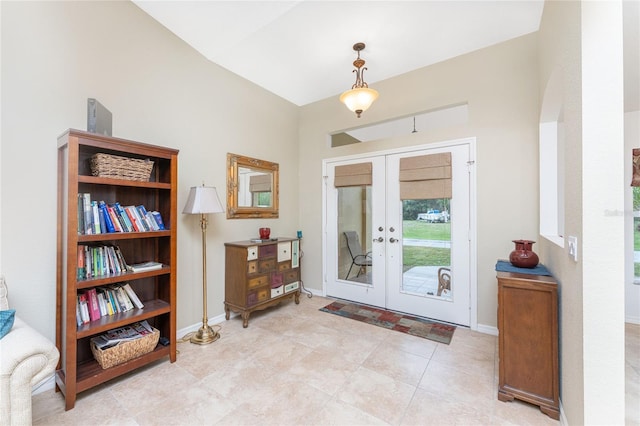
(295, 365)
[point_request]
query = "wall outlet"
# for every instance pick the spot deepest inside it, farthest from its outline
(573, 248)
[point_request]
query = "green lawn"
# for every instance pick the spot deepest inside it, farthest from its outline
(425, 256)
(420, 230)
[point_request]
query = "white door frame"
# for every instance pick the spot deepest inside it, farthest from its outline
(473, 261)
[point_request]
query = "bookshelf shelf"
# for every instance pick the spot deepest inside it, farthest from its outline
(122, 236)
(78, 371)
(119, 182)
(112, 279)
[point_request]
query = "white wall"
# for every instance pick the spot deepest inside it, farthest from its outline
(499, 84)
(583, 42)
(55, 55)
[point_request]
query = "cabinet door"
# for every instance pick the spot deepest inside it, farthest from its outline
(252, 253)
(295, 253)
(284, 251)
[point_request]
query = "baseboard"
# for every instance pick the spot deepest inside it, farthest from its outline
(45, 385)
(563, 417)
(487, 329)
(632, 320)
(194, 327)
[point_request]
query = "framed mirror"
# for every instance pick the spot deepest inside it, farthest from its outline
(252, 188)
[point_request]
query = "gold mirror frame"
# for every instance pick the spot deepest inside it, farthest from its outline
(234, 211)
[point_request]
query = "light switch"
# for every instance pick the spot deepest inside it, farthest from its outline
(573, 248)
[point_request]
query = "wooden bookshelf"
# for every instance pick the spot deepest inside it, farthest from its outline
(78, 370)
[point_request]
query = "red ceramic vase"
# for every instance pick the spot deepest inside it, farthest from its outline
(523, 256)
(265, 233)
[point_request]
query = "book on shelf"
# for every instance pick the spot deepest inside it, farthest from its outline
(133, 296)
(98, 217)
(84, 308)
(122, 334)
(145, 266)
(158, 218)
(94, 309)
(88, 213)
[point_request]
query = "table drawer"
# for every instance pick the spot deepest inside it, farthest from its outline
(291, 286)
(291, 276)
(267, 251)
(266, 265)
(252, 267)
(258, 281)
(278, 291)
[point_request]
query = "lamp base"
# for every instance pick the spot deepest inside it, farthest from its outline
(204, 336)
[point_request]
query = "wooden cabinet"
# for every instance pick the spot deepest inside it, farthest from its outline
(528, 340)
(78, 371)
(260, 275)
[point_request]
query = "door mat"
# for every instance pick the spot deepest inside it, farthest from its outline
(415, 326)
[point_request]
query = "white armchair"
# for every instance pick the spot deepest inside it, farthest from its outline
(26, 359)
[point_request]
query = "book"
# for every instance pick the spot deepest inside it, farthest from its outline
(152, 222)
(133, 296)
(81, 272)
(125, 298)
(80, 214)
(144, 217)
(128, 226)
(114, 219)
(79, 320)
(102, 305)
(95, 218)
(88, 213)
(132, 218)
(158, 218)
(94, 309)
(84, 308)
(106, 217)
(145, 266)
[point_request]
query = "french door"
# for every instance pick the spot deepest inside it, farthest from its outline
(398, 231)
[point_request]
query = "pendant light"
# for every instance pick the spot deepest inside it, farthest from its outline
(360, 97)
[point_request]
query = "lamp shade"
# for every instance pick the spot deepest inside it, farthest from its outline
(359, 99)
(202, 200)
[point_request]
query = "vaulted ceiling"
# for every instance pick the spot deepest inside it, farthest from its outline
(302, 50)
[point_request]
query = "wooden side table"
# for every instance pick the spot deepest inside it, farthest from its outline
(528, 340)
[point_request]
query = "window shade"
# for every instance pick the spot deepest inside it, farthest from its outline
(635, 178)
(353, 175)
(260, 183)
(425, 177)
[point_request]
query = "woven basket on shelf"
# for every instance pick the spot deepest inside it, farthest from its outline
(114, 166)
(124, 351)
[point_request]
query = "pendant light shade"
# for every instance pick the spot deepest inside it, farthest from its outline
(360, 97)
(359, 100)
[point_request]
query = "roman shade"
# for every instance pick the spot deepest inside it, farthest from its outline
(425, 177)
(260, 183)
(353, 175)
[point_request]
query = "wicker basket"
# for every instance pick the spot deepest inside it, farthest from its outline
(124, 351)
(114, 166)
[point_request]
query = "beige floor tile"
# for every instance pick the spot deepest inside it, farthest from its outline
(377, 394)
(450, 381)
(520, 413)
(323, 370)
(397, 364)
(411, 344)
(427, 408)
(296, 365)
(338, 413)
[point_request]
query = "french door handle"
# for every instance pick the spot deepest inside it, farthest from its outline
(379, 239)
(393, 240)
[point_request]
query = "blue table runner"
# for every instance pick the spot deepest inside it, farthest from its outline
(506, 266)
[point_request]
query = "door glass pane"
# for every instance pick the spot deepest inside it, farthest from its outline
(426, 248)
(354, 234)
